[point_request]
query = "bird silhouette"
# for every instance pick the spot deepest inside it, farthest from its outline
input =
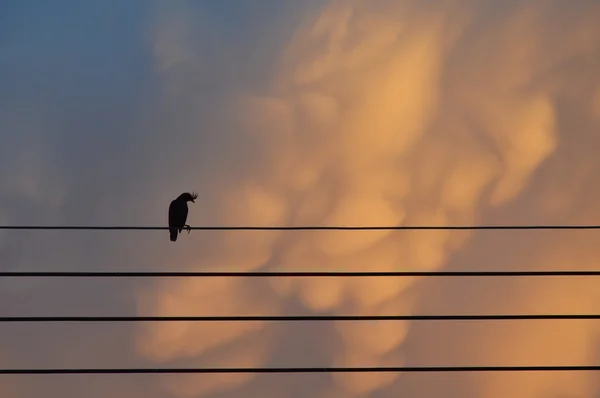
(178, 211)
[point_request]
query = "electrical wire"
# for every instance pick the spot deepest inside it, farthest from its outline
(296, 318)
(307, 228)
(391, 369)
(402, 369)
(292, 274)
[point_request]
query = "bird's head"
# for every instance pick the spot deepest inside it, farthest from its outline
(190, 197)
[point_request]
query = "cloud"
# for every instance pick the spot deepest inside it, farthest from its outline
(397, 112)
(327, 113)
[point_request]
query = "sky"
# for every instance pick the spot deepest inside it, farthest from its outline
(320, 112)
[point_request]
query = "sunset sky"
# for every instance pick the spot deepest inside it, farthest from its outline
(290, 113)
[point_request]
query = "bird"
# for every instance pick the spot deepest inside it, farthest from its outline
(178, 211)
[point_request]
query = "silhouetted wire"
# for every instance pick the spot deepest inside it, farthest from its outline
(302, 318)
(295, 318)
(279, 274)
(390, 369)
(304, 228)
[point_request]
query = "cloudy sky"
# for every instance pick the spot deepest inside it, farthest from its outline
(313, 112)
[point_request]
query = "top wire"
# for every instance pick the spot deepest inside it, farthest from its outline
(307, 227)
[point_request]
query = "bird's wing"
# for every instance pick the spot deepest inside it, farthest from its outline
(174, 216)
(178, 212)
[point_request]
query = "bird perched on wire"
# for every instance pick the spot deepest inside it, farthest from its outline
(178, 211)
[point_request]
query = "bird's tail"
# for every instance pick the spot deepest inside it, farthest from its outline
(173, 232)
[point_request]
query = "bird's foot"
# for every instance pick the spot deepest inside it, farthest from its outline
(188, 228)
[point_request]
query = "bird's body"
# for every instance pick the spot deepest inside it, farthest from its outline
(178, 212)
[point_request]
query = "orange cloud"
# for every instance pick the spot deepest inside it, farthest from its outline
(388, 113)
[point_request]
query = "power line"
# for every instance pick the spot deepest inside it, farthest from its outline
(295, 318)
(269, 274)
(392, 369)
(307, 228)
